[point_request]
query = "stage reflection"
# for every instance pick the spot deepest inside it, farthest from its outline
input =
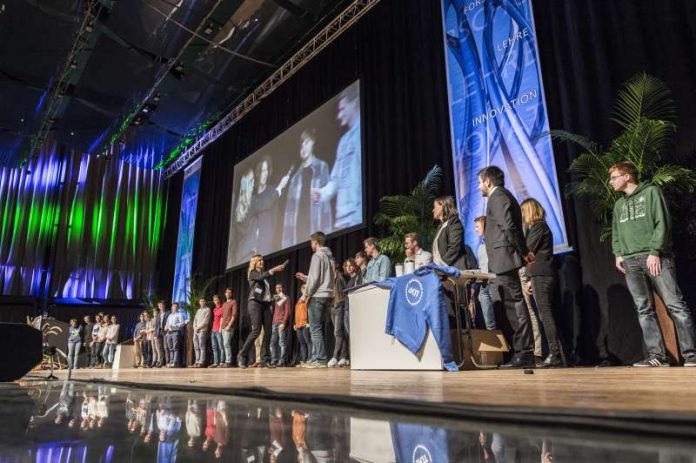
(82, 422)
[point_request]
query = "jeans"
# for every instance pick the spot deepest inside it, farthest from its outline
(639, 283)
(278, 338)
(227, 339)
(318, 307)
(218, 351)
(340, 334)
(174, 347)
(200, 346)
(346, 320)
(305, 341)
(147, 353)
(73, 353)
(542, 287)
(97, 349)
(109, 352)
(261, 316)
(487, 308)
(506, 290)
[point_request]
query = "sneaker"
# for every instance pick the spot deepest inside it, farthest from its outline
(300, 365)
(316, 365)
(333, 363)
(344, 363)
(652, 362)
(690, 362)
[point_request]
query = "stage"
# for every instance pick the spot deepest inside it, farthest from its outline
(588, 391)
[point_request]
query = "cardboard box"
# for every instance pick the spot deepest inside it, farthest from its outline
(487, 348)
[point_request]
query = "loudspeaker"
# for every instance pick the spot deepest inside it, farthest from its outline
(20, 348)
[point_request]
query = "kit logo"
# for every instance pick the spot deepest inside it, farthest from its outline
(421, 454)
(414, 291)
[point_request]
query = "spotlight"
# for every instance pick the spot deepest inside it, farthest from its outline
(73, 64)
(72, 133)
(208, 29)
(178, 71)
(156, 98)
(90, 26)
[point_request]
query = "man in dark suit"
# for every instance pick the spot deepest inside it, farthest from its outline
(507, 252)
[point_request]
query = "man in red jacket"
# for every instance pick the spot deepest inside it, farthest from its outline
(281, 319)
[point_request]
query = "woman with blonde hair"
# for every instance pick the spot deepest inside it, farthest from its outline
(543, 276)
(259, 309)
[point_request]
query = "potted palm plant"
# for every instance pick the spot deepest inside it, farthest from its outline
(646, 115)
(402, 214)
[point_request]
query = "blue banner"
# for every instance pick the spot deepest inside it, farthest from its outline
(187, 226)
(497, 107)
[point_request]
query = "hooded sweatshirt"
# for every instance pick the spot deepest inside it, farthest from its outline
(641, 223)
(320, 280)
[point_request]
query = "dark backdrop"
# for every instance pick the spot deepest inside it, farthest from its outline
(587, 47)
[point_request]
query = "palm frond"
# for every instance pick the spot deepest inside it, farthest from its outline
(401, 214)
(643, 96)
(675, 178)
(575, 139)
(643, 142)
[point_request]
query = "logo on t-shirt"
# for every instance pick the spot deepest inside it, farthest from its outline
(414, 291)
(422, 455)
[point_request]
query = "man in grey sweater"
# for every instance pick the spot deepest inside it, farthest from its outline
(201, 326)
(319, 290)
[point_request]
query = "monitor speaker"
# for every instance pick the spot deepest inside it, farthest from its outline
(21, 348)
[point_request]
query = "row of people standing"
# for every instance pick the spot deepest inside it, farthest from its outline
(97, 339)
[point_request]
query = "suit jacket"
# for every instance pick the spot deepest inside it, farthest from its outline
(505, 243)
(540, 242)
(450, 243)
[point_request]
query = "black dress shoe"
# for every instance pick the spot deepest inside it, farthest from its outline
(553, 360)
(240, 362)
(267, 365)
(521, 361)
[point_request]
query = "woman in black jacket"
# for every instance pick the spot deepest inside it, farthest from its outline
(448, 245)
(543, 276)
(259, 309)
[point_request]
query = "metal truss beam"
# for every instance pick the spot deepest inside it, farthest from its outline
(321, 40)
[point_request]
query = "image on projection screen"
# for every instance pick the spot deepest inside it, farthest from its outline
(307, 179)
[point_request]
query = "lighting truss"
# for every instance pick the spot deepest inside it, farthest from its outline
(321, 40)
(55, 101)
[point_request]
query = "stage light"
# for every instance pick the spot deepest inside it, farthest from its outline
(73, 64)
(72, 133)
(156, 98)
(90, 26)
(208, 29)
(178, 70)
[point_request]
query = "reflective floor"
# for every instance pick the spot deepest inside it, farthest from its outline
(81, 422)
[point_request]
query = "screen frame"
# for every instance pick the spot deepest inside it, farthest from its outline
(334, 234)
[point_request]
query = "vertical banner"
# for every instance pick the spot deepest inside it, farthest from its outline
(497, 107)
(187, 226)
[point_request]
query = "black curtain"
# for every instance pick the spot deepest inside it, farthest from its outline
(588, 48)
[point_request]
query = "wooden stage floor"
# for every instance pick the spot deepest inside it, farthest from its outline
(670, 390)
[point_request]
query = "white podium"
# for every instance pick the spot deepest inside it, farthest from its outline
(371, 348)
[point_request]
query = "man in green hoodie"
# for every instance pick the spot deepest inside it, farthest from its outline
(642, 244)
